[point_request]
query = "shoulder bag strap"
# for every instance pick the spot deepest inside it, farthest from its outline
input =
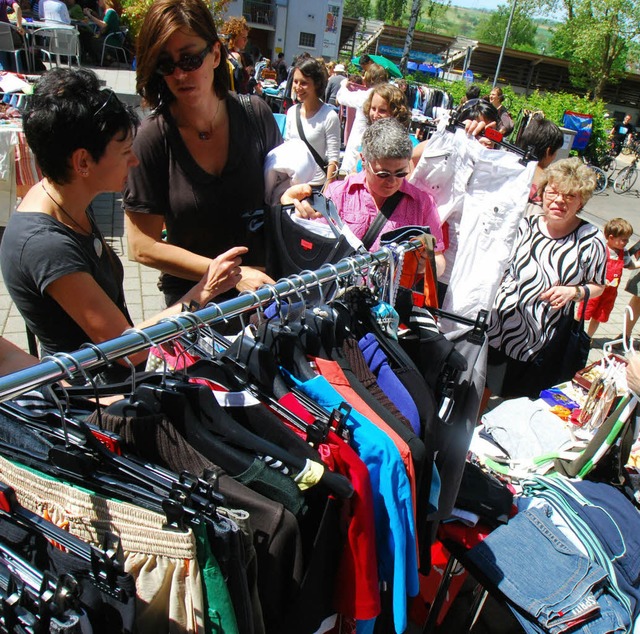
(316, 157)
(381, 219)
(245, 102)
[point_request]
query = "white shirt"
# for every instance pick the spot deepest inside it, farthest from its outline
(54, 11)
(353, 99)
(322, 132)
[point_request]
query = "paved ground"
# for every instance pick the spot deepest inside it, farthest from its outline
(143, 296)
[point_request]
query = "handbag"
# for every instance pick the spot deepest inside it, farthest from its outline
(299, 244)
(565, 353)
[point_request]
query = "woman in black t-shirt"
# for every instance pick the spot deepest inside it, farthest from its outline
(64, 278)
(201, 153)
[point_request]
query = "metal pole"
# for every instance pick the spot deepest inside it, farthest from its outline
(504, 43)
(135, 340)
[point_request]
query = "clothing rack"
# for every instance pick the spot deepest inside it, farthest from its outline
(95, 356)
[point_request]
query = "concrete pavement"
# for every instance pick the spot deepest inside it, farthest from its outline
(140, 282)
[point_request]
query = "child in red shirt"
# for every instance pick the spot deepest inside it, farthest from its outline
(617, 233)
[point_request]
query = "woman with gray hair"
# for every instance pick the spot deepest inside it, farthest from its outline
(386, 153)
(557, 255)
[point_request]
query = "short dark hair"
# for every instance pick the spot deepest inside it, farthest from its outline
(316, 72)
(475, 108)
(365, 59)
(69, 110)
(473, 91)
(163, 19)
(280, 55)
(541, 134)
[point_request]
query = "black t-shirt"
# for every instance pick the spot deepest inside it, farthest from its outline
(622, 129)
(37, 250)
(203, 213)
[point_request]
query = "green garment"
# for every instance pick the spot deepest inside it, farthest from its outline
(219, 616)
(112, 20)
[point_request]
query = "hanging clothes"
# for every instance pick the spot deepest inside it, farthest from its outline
(482, 194)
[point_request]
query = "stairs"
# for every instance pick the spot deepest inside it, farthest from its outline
(362, 40)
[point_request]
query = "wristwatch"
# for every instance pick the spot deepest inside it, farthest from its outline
(579, 294)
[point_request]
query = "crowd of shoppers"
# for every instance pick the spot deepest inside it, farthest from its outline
(194, 182)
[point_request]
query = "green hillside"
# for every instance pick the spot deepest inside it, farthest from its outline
(463, 21)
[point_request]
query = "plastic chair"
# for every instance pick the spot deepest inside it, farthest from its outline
(55, 42)
(115, 41)
(7, 45)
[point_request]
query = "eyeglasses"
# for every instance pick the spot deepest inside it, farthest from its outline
(384, 174)
(187, 63)
(552, 196)
(110, 95)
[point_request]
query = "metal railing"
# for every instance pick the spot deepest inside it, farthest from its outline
(259, 12)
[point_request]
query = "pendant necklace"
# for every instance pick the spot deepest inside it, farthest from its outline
(205, 135)
(97, 242)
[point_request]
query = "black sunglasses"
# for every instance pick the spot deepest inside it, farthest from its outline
(187, 63)
(110, 95)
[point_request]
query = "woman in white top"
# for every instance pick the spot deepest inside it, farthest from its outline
(54, 11)
(353, 96)
(319, 122)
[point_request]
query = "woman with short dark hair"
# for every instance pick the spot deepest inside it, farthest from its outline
(314, 120)
(200, 152)
(65, 280)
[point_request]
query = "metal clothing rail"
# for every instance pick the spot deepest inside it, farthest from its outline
(96, 356)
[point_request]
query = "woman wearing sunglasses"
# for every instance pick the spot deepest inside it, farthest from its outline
(65, 280)
(200, 153)
(386, 154)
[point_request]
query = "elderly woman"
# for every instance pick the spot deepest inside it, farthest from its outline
(555, 257)
(386, 153)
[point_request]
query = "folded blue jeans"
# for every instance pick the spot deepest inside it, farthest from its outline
(547, 578)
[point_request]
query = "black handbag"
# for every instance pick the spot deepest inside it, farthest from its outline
(565, 353)
(298, 244)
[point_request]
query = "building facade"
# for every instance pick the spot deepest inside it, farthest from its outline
(291, 27)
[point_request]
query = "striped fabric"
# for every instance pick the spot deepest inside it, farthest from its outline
(521, 324)
(27, 171)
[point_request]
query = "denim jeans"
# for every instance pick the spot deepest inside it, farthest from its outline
(546, 578)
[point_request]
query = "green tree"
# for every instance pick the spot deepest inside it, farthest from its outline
(390, 11)
(433, 14)
(522, 35)
(597, 38)
(133, 12)
(357, 9)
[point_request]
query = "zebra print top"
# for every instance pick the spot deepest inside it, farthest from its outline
(521, 324)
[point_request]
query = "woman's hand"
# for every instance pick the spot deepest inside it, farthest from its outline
(559, 296)
(475, 128)
(296, 195)
(223, 274)
(252, 279)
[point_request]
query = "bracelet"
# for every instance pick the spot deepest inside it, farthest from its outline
(579, 294)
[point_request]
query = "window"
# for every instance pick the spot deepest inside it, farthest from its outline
(307, 39)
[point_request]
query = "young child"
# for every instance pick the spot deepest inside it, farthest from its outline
(617, 233)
